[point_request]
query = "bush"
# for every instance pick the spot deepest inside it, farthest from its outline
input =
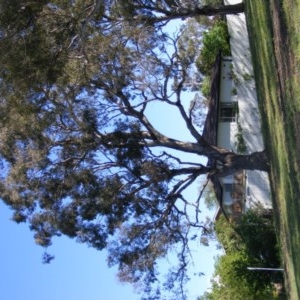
(215, 40)
(249, 242)
(205, 87)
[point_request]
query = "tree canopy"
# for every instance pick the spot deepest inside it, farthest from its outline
(80, 156)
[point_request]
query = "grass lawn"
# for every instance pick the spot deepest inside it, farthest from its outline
(274, 30)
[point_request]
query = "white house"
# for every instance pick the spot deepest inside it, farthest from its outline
(233, 122)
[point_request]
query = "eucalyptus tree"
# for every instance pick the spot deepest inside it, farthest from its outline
(79, 153)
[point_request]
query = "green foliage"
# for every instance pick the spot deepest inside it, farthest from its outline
(214, 41)
(210, 199)
(251, 242)
(255, 233)
(259, 237)
(213, 2)
(226, 235)
(188, 49)
(247, 77)
(240, 141)
(190, 39)
(234, 280)
(234, 92)
(205, 87)
(21, 27)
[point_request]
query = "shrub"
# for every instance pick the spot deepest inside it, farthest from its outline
(214, 40)
(205, 87)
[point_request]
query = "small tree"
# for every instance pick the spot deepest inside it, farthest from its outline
(251, 242)
(214, 41)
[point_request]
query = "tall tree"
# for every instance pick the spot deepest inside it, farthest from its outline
(80, 154)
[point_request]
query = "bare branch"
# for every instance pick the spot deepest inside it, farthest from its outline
(198, 199)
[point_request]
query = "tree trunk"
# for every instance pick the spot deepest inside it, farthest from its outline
(217, 10)
(208, 10)
(233, 162)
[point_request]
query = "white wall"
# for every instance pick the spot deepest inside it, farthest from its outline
(225, 135)
(257, 190)
(226, 130)
(258, 187)
(244, 83)
(225, 80)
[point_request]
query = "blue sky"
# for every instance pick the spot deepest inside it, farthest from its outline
(77, 272)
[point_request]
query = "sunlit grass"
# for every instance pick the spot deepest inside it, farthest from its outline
(280, 110)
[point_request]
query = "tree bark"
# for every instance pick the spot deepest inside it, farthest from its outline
(230, 162)
(182, 13)
(233, 162)
(220, 10)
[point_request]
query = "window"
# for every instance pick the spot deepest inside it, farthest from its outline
(227, 193)
(228, 187)
(228, 111)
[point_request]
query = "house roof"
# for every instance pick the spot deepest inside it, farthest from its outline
(211, 122)
(210, 129)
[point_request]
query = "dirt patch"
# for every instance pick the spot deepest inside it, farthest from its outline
(284, 58)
